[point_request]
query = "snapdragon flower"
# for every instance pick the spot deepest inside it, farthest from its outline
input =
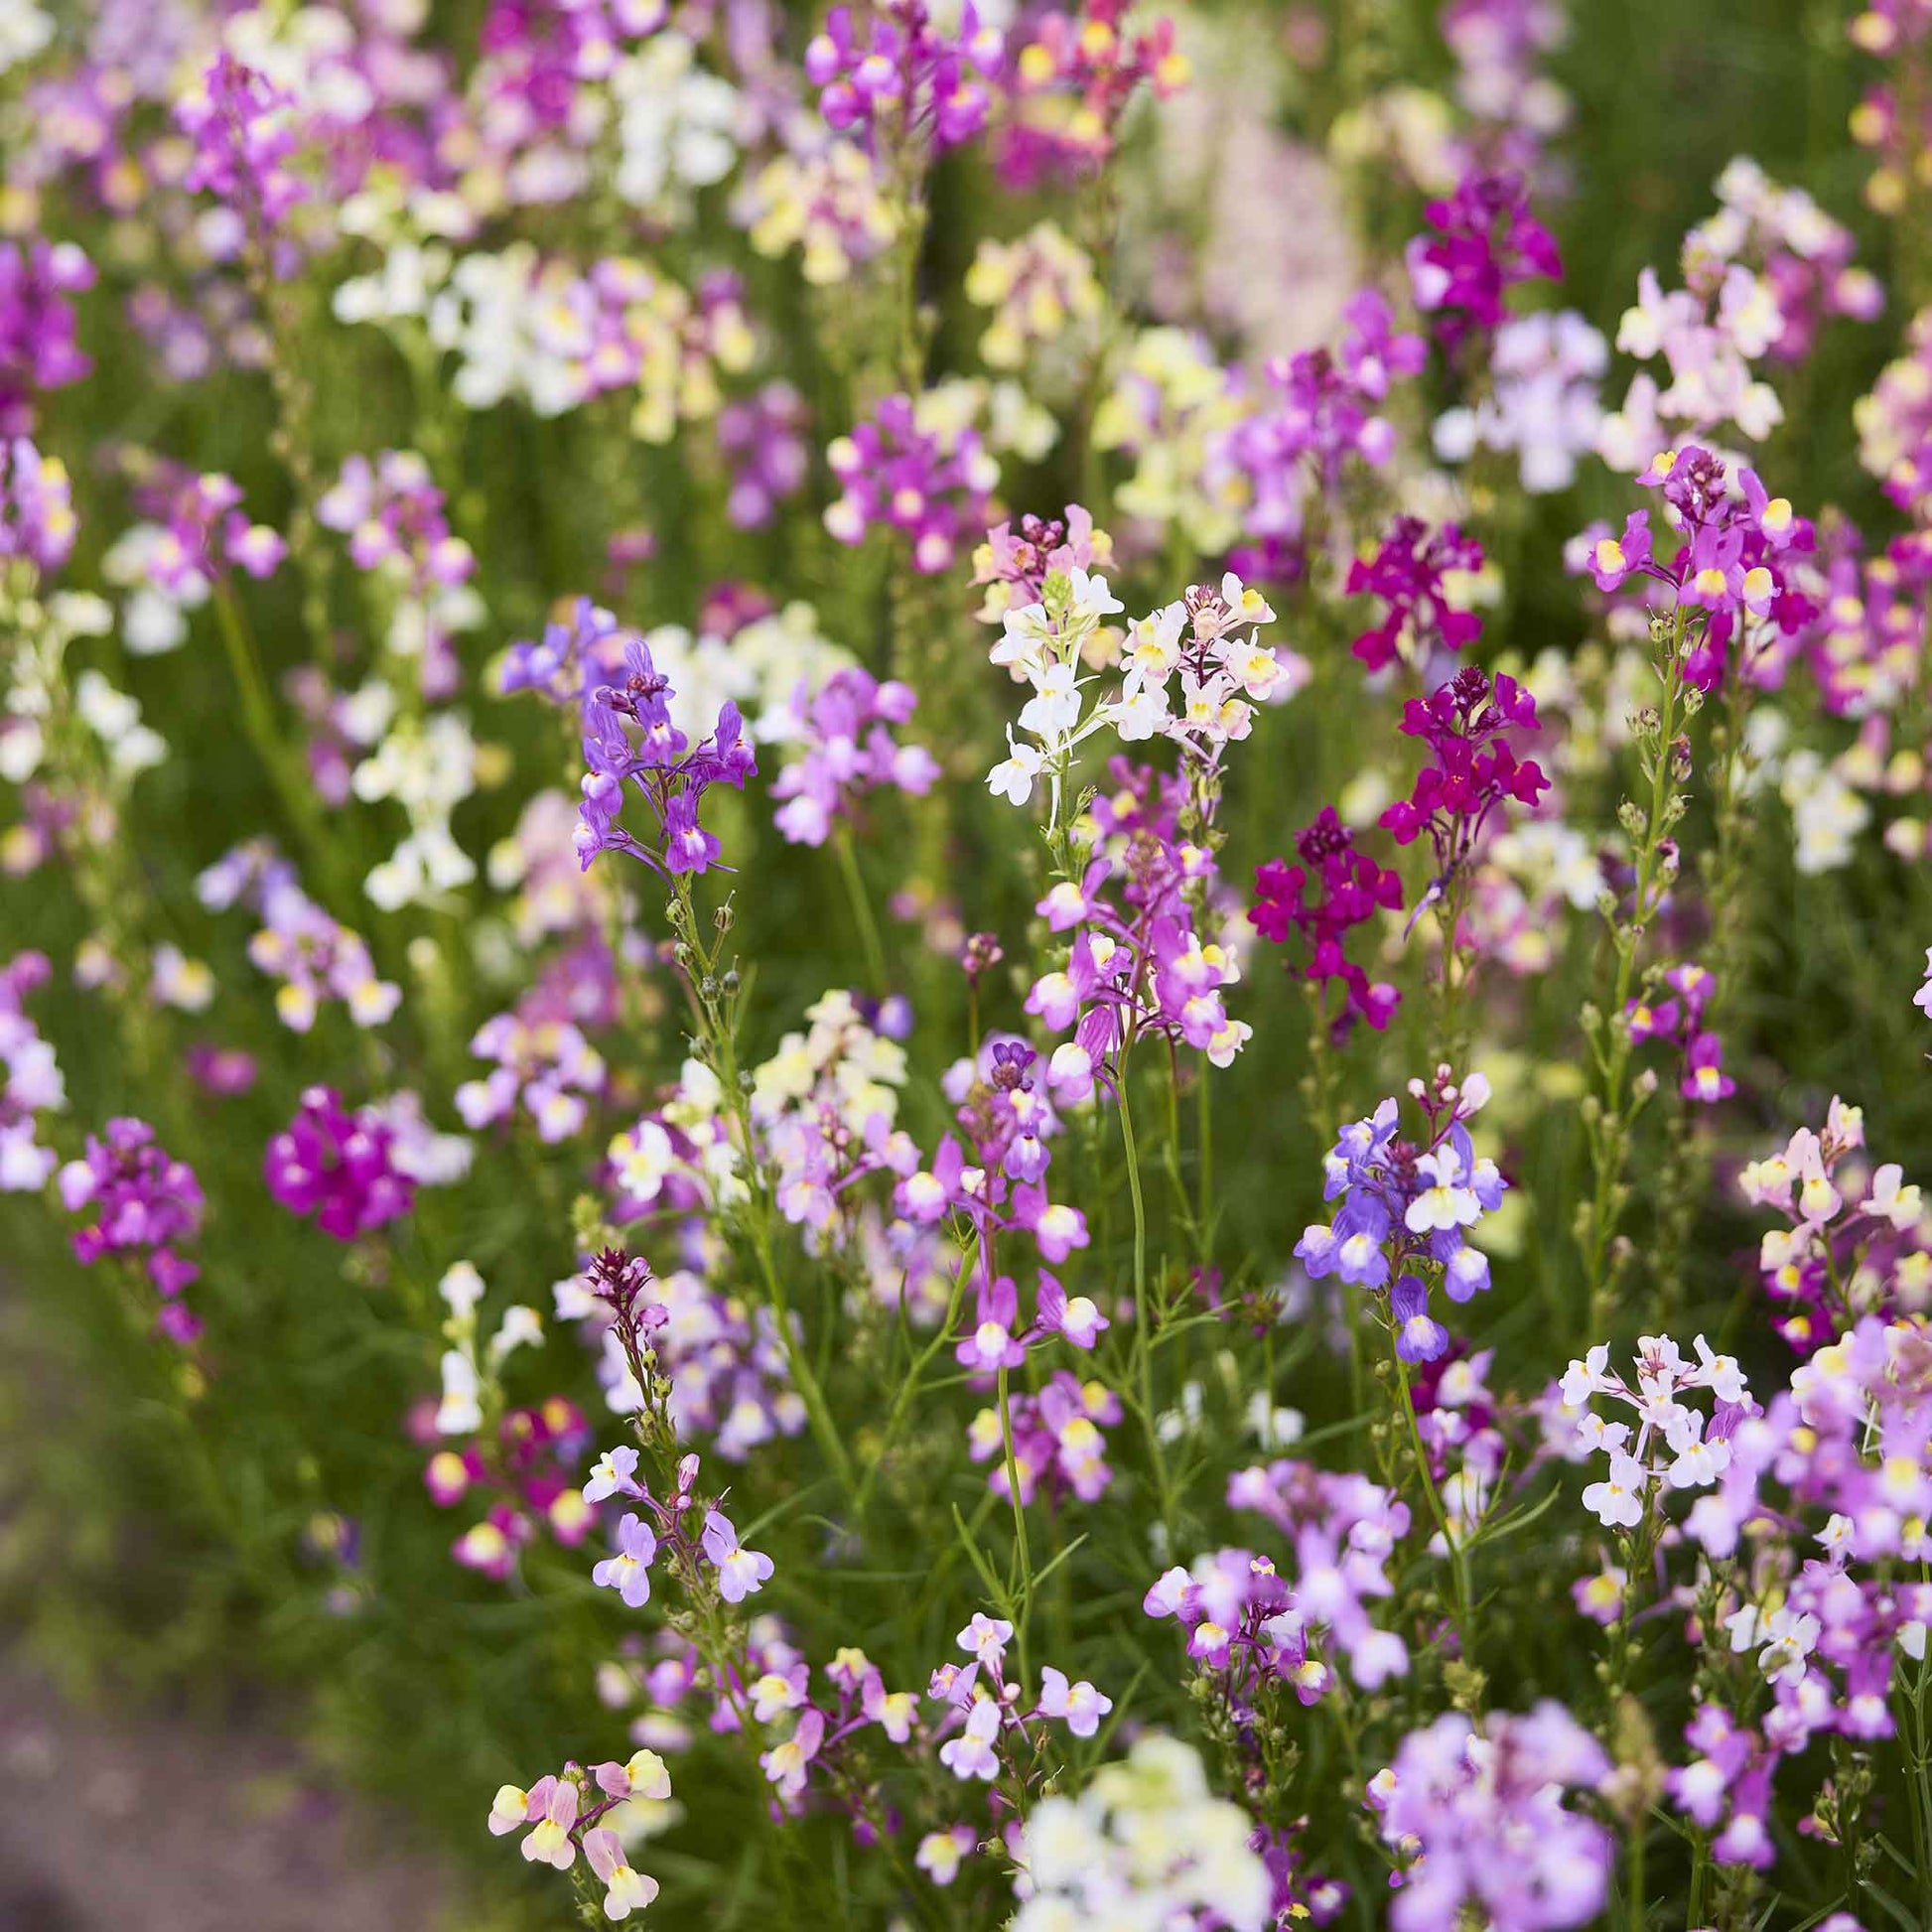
(1760, 277)
(914, 467)
(33, 1083)
(40, 348)
(37, 519)
(1146, 1843)
(1406, 1207)
(1045, 645)
(1478, 1820)
(1673, 1445)
(1057, 1444)
(1854, 1240)
(669, 773)
(1416, 572)
(846, 730)
(1073, 81)
(1039, 287)
(1351, 890)
(298, 943)
(1485, 241)
(563, 1810)
(1738, 565)
(549, 1066)
(759, 437)
(1212, 641)
(1321, 414)
(906, 72)
(142, 1204)
(985, 1728)
(338, 1166)
(1544, 406)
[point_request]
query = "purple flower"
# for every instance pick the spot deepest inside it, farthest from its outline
(741, 1572)
(759, 437)
(37, 519)
(1418, 1338)
(898, 67)
(38, 345)
(1485, 242)
(849, 748)
(932, 482)
(338, 1166)
(1407, 574)
(1481, 1824)
(628, 739)
(1332, 891)
(142, 1204)
(627, 1569)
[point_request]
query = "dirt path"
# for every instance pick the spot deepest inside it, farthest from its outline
(151, 1826)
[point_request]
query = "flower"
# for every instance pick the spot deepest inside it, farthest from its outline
(627, 1569)
(741, 1572)
(339, 1166)
(1478, 1820)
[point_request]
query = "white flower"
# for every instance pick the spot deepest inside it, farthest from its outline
(1619, 1500)
(460, 1412)
(1013, 778)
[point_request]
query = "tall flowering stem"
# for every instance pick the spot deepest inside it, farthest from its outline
(1610, 1114)
(1472, 772)
(713, 984)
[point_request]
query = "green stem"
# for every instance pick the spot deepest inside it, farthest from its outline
(1020, 1550)
(298, 800)
(1459, 1560)
(862, 917)
(1143, 1315)
(902, 1402)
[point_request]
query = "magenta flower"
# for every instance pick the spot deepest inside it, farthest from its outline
(39, 348)
(1407, 573)
(1334, 889)
(929, 482)
(1486, 241)
(897, 65)
(338, 1166)
(143, 1204)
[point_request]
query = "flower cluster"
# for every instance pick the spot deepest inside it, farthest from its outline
(1544, 405)
(845, 729)
(1852, 1243)
(1405, 1207)
(298, 943)
(38, 344)
(1479, 1821)
(1056, 1441)
(339, 1166)
(1759, 278)
(142, 1204)
(759, 437)
(33, 1086)
(913, 467)
(1324, 410)
(1673, 1445)
(1485, 242)
(1420, 573)
(630, 739)
(1333, 890)
(1146, 1842)
(567, 1811)
(902, 69)
(1473, 771)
